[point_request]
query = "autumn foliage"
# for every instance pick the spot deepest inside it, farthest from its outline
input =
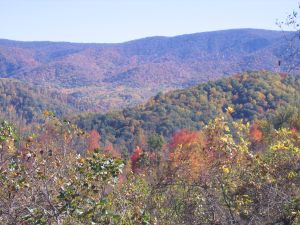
(256, 134)
(135, 157)
(185, 154)
(182, 138)
(109, 150)
(93, 140)
(212, 176)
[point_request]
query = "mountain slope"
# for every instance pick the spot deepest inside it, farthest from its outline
(26, 103)
(252, 95)
(115, 75)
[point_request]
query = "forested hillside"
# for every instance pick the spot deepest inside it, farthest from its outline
(249, 96)
(26, 103)
(229, 172)
(112, 76)
(223, 152)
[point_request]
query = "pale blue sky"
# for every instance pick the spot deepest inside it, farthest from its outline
(122, 20)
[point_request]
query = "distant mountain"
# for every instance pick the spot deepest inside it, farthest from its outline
(252, 95)
(108, 76)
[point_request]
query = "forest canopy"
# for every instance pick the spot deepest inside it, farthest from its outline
(250, 96)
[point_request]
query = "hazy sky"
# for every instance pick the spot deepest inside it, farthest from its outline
(122, 20)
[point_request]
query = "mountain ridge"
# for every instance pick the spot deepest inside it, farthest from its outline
(146, 37)
(103, 74)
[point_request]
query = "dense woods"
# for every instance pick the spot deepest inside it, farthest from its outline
(223, 152)
(251, 96)
(229, 172)
(25, 103)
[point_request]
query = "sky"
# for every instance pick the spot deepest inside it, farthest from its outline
(111, 21)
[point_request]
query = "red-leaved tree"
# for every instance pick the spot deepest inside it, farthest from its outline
(135, 157)
(93, 140)
(256, 134)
